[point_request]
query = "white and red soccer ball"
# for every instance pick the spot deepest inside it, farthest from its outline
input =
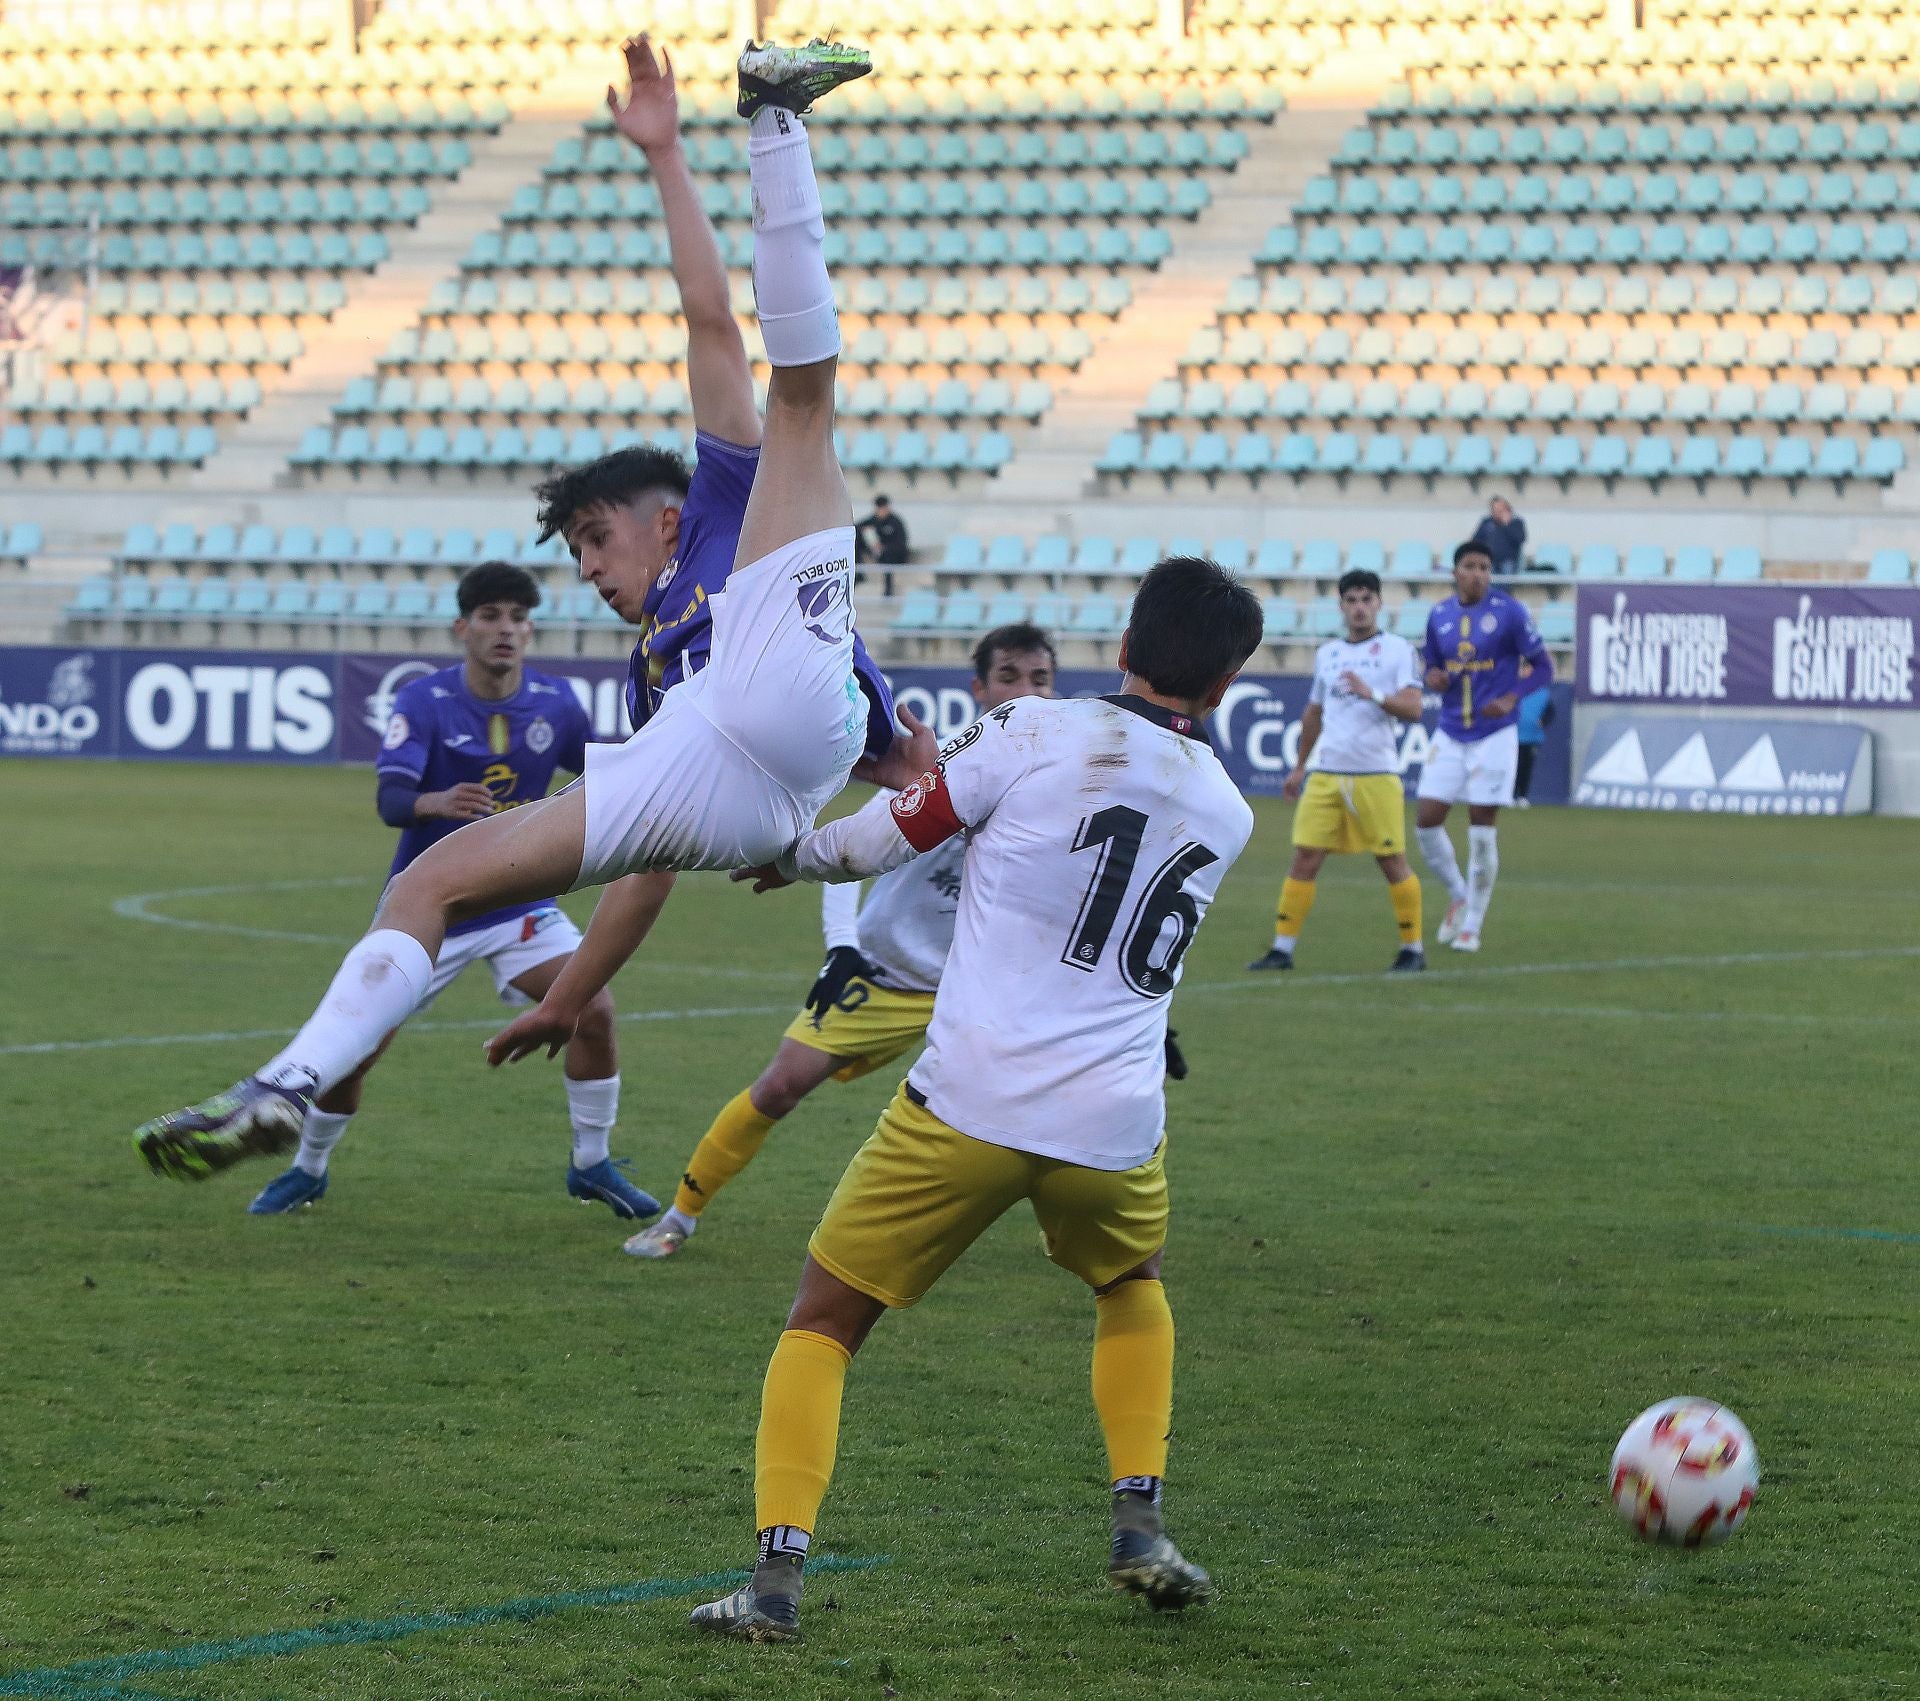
(1685, 1473)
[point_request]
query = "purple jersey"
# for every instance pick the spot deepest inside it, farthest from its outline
(1483, 648)
(440, 735)
(676, 623)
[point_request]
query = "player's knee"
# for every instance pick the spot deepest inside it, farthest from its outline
(778, 1090)
(596, 1020)
(1146, 1271)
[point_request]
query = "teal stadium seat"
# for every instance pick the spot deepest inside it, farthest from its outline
(1890, 567)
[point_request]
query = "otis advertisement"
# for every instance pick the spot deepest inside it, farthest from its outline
(248, 706)
(1755, 646)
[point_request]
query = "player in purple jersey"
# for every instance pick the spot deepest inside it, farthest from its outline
(1483, 655)
(745, 749)
(461, 744)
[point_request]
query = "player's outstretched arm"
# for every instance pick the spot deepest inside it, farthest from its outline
(719, 379)
(624, 916)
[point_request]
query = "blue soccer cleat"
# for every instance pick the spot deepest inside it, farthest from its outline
(288, 1193)
(604, 1182)
(250, 1119)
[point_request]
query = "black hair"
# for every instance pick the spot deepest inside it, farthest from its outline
(1015, 639)
(1359, 579)
(497, 581)
(613, 481)
(1192, 623)
(883, 502)
(1471, 548)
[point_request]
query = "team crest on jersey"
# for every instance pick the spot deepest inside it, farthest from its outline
(499, 735)
(1488, 622)
(540, 735)
(397, 730)
(666, 574)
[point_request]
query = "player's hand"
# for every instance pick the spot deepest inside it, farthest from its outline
(468, 801)
(1351, 681)
(528, 1032)
(765, 878)
(1436, 679)
(1294, 783)
(1498, 708)
(1176, 1058)
(843, 964)
(913, 753)
(650, 115)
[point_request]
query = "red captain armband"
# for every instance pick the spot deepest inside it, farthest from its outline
(924, 811)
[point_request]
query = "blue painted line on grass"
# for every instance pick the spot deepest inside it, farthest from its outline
(94, 1679)
(1890, 1236)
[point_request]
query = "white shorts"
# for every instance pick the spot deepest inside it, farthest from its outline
(508, 948)
(1480, 772)
(739, 760)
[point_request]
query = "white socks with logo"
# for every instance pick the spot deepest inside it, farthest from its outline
(1483, 865)
(594, 1107)
(791, 289)
(319, 1134)
(1437, 848)
(382, 979)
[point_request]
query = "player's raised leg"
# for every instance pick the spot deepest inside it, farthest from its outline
(520, 856)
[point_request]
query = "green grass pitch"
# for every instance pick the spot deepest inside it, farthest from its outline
(1435, 1241)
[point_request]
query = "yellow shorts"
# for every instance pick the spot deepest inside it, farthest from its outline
(919, 1193)
(1352, 812)
(869, 1025)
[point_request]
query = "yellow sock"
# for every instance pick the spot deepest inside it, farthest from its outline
(724, 1151)
(1406, 908)
(1296, 901)
(1133, 1377)
(799, 1429)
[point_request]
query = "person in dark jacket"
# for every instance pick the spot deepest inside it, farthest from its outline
(883, 535)
(1503, 535)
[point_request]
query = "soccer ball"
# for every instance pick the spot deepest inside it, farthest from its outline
(1685, 1473)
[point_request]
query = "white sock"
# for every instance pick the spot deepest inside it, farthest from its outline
(594, 1107)
(678, 1219)
(1483, 867)
(319, 1134)
(382, 979)
(1437, 848)
(791, 289)
(1283, 944)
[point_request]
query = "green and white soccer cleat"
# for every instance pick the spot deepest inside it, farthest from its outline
(250, 1119)
(1146, 1563)
(745, 1616)
(793, 78)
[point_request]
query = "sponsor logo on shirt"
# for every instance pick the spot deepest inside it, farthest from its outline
(454, 740)
(824, 609)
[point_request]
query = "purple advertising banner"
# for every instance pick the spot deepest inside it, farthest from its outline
(1751, 646)
(267, 706)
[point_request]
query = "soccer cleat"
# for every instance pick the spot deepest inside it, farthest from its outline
(604, 1182)
(793, 78)
(657, 1240)
(747, 1617)
(1450, 925)
(1464, 941)
(288, 1193)
(250, 1119)
(1146, 1563)
(1273, 960)
(1410, 961)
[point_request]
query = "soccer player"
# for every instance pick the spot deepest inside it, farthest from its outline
(1482, 653)
(873, 996)
(729, 765)
(1347, 778)
(1097, 832)
(462, 744)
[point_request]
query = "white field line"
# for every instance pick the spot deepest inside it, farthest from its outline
(483, 1024)
(1270, 986)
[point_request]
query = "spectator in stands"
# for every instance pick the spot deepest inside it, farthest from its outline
(883, 535)
(1535, 716)
(1503, 535)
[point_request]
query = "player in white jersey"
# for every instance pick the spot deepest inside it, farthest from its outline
(735, 762)
(873, 996)
(1097, 833)
(1347, 778)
